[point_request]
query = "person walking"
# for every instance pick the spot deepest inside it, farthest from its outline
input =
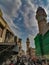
(22, 63)
(11, 63)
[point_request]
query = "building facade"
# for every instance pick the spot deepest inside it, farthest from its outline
(6, 34)
(8, 40)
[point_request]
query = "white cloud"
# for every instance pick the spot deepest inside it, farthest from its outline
(10, 7)
(34, 7)
(14, 28)
(17, 5)
(47, 10)
(30, 23)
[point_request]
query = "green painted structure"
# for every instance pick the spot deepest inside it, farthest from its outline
(42, 38)
(42, 44)
(38, 44)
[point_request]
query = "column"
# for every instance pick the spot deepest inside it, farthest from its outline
(3, 35)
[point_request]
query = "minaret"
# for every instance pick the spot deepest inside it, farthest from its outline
(15, 39)
(20, 43)
(28, 44)
(41, 18)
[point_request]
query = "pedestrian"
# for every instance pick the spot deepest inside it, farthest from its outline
(22, 63)
(18, 60)
(3, 63)
(43, 62)
(11, 63)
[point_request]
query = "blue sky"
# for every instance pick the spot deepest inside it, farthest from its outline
(20, 16)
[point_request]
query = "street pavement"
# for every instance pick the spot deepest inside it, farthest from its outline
(16, 60)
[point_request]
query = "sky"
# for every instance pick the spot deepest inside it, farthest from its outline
(20, 16)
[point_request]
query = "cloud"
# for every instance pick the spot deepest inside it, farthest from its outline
(29, 17)
(10, 7)
(47, 10)
(14, 28)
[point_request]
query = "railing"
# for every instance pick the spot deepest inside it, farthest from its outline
(7, 43)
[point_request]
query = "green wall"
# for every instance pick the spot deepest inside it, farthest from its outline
(42, 44)
(38, 44)
(46, 42)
